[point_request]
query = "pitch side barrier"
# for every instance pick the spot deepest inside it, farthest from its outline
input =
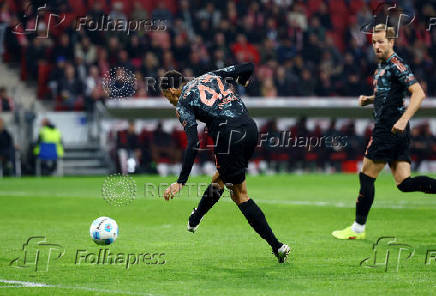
(344, 107)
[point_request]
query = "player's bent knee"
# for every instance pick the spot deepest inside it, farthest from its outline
(217, 182)
(237, 193)
(406, 185)
(239, 198)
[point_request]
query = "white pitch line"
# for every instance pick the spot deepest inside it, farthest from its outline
(333, 204)
(340, 204)
(23, 284)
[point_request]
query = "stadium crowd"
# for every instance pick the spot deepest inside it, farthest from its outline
(300, 48)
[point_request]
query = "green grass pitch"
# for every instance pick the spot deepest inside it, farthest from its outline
(225, 256)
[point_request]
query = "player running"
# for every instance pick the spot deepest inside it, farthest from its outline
(391, 136)
(213, 99)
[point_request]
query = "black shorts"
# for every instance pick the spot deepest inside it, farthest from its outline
(388, 147)
(235, 142)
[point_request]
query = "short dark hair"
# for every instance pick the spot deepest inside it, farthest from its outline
(171, 79)
(390, 31)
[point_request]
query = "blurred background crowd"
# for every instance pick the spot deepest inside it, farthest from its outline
(309, 48)
(279, 149)
(300, 48)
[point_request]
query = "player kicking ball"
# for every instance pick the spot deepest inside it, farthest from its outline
(213, 99)
(391, 136)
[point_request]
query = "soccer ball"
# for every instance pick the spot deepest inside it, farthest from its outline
(104, 231)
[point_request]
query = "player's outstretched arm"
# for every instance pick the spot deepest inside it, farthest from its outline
(366, 100)
(188, 162)
(416, 98)
(240, 73)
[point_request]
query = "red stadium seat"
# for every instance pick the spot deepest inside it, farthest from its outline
(311, 156)
(350, 166)
(313, 6)
(356, 6)
(338, 156)
(338, 7)
(180, 138)
(280, 156)
(78, 7)
(23, 64)
(145, 137)
(43, 73)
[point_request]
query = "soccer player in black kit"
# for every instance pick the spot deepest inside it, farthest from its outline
(212, 98)
(391, 136)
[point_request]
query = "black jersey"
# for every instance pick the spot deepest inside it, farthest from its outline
(391, 82)
(210, 98)
(213, 96)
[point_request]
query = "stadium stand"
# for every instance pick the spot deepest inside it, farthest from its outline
(318, 47)
(300, 48)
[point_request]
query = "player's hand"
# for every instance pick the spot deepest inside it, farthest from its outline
(399, 126)
(244, 85)
(365, 100)
(172, 190)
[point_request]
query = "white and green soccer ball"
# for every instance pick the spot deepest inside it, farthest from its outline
(104, 231)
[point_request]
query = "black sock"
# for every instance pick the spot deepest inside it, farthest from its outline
(365, 199)
(420, 183)
(210, 197)
(257, 220)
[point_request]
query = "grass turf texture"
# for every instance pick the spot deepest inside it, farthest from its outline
(225, 256)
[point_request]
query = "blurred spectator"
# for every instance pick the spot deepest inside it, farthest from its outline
(36, 52)
(6, 150)
(86, 50)
(163, 148)
(307, 84)
(161, 13)
(128, 149)
(64, 48)
(268, 89)
(5, 18)
(70, 88)
(286, 51)
(117, 13)
(56, 76)
(139, 12)
(94, 88)
(6, 103)
(324, 87)
(244, 51)
(49, 134)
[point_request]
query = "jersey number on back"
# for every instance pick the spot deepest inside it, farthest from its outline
(215, 96)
